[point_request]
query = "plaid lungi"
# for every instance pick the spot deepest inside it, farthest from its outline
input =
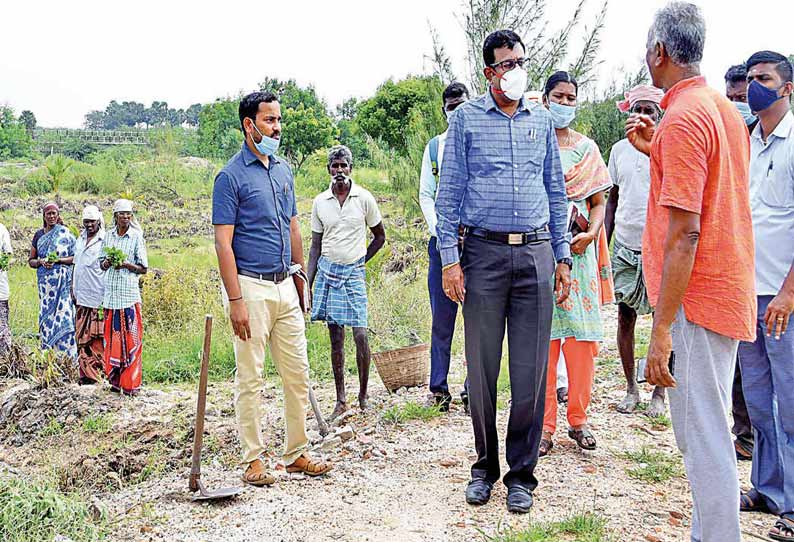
(340, 293)
(629, 282)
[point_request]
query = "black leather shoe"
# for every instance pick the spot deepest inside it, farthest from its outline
(519, 499)
(442, 400)
(478, 492)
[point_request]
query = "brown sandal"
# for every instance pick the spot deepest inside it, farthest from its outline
(546, 444)
(259, 477)
(308, 466)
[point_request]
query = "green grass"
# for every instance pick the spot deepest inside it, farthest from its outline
(653, 466)
(97, 423)
(662, 421)
(584, 527)
(52, 429)
(410, 410)
(33, 511)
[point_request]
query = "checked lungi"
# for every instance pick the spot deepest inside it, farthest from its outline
(340, 293)
(629, 282)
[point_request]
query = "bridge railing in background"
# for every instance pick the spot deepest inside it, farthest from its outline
(60, 136)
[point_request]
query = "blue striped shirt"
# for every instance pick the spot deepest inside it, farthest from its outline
(121, 285)
(501, 174)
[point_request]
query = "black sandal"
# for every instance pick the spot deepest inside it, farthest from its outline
(752, 501)
(583, 437)
(785, 529)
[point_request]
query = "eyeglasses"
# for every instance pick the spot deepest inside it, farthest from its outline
(507, 65)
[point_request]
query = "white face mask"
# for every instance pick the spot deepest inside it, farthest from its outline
(514, 83)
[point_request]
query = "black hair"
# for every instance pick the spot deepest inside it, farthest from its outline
(454, 90)
(497, 40)
(736, 74)
(557, 78)
(782, 64)
(249, 105)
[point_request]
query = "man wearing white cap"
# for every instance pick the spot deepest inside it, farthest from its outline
(88, 290)
(625, 217)
(122, 300)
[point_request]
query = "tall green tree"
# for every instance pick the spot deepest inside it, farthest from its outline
(307, 125)
(15, 140)
(385, 116)
(28, 119)
(219, 133)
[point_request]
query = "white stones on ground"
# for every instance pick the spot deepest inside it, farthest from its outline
(345, 433)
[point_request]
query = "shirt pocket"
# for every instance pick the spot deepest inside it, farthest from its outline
(777, 191)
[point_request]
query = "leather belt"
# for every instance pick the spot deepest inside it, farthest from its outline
(270, 277)
(523, 238)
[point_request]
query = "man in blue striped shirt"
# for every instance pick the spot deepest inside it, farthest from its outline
(503, 185)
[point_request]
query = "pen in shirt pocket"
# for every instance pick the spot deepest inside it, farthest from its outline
(771, 167)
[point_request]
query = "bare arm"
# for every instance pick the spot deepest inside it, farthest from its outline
(378, 240)
(33, 259)
(680, 248)
(238, 312)
(612, 208)
(314, 255)
(296, 243)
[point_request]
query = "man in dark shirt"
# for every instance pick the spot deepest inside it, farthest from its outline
(257, 237)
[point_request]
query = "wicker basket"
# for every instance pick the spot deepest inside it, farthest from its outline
(404, 367)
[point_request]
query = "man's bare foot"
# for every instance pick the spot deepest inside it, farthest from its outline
(363, 402)
(629, 403)
(340, 409)
(656, 407)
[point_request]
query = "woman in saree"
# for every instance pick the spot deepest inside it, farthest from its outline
(122, 301)
(51, 255)
(576, 325)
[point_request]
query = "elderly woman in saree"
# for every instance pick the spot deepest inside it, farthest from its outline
(51, 255)
(576, 325)
(122, 300)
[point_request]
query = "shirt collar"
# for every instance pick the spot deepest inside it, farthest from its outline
(682, 86)
(354, 192)
(249, 157)
(782, 130)
(490, 103)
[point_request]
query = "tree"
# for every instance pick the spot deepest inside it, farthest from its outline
(440, 61)
(528, 19)
(307, 125)
(219, 133)
(385, 116)
(192, 114)
(15, 140)
(28, 119)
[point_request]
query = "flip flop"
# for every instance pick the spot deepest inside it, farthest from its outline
(785, 529)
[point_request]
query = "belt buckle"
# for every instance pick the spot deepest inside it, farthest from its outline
(515, 238)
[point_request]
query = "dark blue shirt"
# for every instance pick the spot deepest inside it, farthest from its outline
(502, 174)
(259, 202)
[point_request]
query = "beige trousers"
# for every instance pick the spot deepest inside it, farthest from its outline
(276, 320)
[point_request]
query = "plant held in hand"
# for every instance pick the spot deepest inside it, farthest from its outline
(115, 256)
(52, 257)
(5, 261)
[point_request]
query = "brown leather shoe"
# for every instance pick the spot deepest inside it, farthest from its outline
(308, 466)
(257, 475)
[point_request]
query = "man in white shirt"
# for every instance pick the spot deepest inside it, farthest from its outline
(5, 330)
(444, 311)
(341, 216)
(767, 364)
(88, 289)
(625, 217)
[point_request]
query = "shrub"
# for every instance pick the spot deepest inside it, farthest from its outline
(170, 295)
(37, 182)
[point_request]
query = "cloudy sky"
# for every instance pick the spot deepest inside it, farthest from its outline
(63, 59)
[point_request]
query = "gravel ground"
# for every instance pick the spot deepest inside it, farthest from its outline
(405, 482)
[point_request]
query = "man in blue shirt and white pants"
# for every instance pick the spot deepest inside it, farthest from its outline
(502, 182)
(257, 237)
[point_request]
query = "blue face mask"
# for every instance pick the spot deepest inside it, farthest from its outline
(746, 112)
(759, 97)
(562, 115)
(268, 146)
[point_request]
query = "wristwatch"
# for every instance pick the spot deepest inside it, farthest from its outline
(566, 261)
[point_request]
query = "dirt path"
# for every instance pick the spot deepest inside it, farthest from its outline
(391, 482)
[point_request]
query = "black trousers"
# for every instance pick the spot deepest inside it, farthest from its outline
(508, 287)
(742, 428)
